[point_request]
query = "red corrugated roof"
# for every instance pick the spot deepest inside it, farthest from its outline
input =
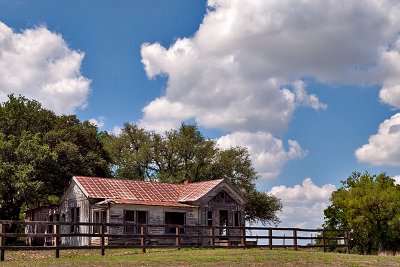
(194, 191)
(125, 191)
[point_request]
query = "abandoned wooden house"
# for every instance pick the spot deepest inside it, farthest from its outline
(110, 200)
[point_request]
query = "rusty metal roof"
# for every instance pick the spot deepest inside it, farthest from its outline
(194, 191)
(124, 191)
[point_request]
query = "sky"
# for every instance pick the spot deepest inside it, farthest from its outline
(311, 88)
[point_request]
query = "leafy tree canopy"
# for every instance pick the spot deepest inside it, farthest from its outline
(368, 205)
(39, 153)
(183, 154)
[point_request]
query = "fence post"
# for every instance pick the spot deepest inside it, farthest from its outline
(57, 240)
(346, 240)
(323, 240)
(2, 241)
(243, 237)
(102, 239)
(213, 237)
(270, 238)
(142, 239)
(295, 238)
(177, 238)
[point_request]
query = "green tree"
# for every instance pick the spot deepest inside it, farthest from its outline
(183, 154)
(39, 153)
(368, 205)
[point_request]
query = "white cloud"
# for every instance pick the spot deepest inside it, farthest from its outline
(305, 99)
(390, 66)
(383, 148)
(99, 122)
(303, 205)
(267, 152)
(245, 69)
(161, 115)
(39, 64)
(117, 130)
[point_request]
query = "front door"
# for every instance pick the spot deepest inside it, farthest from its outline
(223, 222)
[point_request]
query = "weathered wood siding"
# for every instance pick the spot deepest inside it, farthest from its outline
(155, 215)
(74, 198)
(222, 198)
(40, 214)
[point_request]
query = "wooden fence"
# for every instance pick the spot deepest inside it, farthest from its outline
(14, 236)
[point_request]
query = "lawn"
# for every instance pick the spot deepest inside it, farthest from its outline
(194, 257)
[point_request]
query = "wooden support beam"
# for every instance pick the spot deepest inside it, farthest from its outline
(142, 239)
(178, 238)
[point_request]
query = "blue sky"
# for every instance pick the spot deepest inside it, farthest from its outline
(311, 88)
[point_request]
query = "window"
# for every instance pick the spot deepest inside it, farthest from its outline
(174, 218)
(99, 216)
(129, 218)
(136, 217)
(74, 218)
(210, 218)
(236, 221)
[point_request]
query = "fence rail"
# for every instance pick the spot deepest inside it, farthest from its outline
(15, 235)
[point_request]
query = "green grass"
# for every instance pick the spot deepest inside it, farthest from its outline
(194, 257)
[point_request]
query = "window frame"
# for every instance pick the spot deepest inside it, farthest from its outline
(134, 217)
(99, 216)
(172, 230)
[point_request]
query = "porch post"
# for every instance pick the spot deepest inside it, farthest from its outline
(142, 239)
(177, 238)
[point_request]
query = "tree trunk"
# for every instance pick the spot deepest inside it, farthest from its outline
(380, 247)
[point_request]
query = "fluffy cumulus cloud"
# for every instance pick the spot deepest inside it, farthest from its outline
(390, 67)
(268, 153)
(303, 204)
(244, 69)
(39, 64)
(383, 148)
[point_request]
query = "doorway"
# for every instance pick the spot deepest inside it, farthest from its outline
(223, 222)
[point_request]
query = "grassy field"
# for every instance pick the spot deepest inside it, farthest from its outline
(194, 257)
